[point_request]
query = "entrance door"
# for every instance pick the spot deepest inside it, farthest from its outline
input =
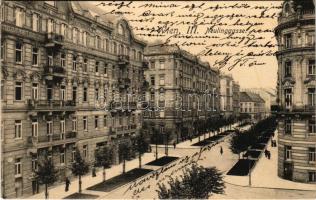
(288, 171)
(35, 187)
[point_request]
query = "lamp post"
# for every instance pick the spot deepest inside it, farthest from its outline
(249, 170)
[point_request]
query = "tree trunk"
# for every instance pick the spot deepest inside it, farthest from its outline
(103, 174)
(140, 160)
(46, 191)
(80, 184)
(156, 151)
(124, 166)
(239, 156)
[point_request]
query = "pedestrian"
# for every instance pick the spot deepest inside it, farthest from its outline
(269, 155)
(93, 172)
(221, 151)
(174, 145)
(67, 182)
(265, 153)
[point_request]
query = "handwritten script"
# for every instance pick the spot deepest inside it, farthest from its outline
(228, 34)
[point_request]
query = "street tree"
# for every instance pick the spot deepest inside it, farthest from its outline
(125, 150)
(240, 142)
(79, 167)
(46, 173)
(103, 158)
(141, 144)
(196, 183)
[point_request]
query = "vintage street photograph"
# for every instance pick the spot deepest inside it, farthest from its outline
(158, 99)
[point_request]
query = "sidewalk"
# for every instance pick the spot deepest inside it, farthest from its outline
(187, 143)
(58, 192)
(265, 174)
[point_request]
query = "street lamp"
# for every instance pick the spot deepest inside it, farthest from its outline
(249, 170)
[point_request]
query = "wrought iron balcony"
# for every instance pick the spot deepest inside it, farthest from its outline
(111, 131)
(123, 60)
(54, 72)
(51, 105)
(52, 139)
(124, 83)
(145, 65)
(54, 40)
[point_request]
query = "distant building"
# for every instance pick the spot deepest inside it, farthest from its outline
(295, 34)
(236, 99)
(226, 95)
(252, 104)
(182, 90)
(268, 95)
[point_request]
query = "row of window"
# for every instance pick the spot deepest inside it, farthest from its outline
(288, 153)
(49, 125)
(288, 126)
(311, 69)
(19, 55)
(311, 97)
(76, 35)
(288, 39)
(62, 160)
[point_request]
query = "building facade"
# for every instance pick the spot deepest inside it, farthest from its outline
(182, 91)
(268, 95)
(253, 105)
(236, 99)
(62, 66)
(226, 95)
(296, 91)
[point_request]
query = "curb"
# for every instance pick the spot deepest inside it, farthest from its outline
(276, 188)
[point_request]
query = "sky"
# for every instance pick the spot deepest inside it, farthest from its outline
(222, 16)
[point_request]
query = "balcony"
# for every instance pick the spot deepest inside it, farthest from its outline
(55, 73)
(305, 110)
(52, 140)
(124, 83)
(112, 131)
(145, 85)
(123, 60)
(295, 47)
(54, 40)
(51, 105)
(145, 65)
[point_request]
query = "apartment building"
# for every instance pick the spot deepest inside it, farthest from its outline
(267, 94)
(62, 65)
(236, 99)
(182, 91)
(226, 95)
(252, 104)
(295, 34)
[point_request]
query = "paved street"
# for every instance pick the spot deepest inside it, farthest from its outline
(236, 186)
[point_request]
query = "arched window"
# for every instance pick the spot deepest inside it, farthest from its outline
(121, 29)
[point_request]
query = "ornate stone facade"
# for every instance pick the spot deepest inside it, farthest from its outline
(62, 66)
(296, 91)
(184, 89)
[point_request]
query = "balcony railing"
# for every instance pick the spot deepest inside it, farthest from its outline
(54, 40)
(124, 83)
(296, 46)
(51, 105)
(52, 139)
(145, 65)
(294, 109)
(123, 59)
(51, 72)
